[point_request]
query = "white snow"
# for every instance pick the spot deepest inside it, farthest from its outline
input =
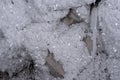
(37, 25)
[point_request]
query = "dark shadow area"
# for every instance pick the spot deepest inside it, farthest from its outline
(4, 75)
(71, 18)
(92, 5)
(97, 2)
(2, 36)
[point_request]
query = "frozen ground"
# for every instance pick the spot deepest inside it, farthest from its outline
(59, 40)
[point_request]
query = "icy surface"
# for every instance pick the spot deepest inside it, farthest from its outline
(110, 22)
(28, 28)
